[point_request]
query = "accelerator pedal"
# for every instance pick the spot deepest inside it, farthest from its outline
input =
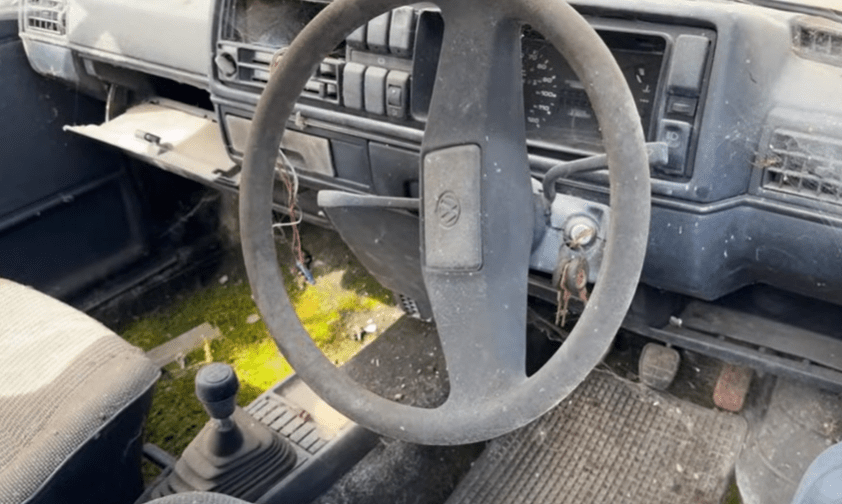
(610, 441)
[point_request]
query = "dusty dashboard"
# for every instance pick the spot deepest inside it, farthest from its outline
(386, 69)
(706, 78)
(746, 98)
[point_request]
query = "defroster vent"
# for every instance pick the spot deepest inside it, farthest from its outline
(45, 16)
(802, 164)
(817, 41)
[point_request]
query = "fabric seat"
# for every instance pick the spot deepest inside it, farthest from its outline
(198, 498)
(73, 398)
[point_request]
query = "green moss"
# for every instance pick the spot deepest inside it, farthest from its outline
(223, 306)
(260, 365)
(174, 427)
(325, 310)
(733, 496)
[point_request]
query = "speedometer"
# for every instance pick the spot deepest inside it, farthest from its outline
(555, 102)
(540, 84)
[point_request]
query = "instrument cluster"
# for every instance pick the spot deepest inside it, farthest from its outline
(556, 104)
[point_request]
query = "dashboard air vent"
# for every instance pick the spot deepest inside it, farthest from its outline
(45, 16)
(818, 41)
(249, 66)
(805, 165)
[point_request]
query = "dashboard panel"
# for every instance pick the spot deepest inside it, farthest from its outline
(369, 101)
(746, 97)
(386, 70)
(704, 76)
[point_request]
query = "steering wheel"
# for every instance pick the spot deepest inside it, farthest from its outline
(477, 215)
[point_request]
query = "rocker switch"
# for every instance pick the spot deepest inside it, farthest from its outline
(394, 95)
(375, 90)
(682, 105)
(397, 91)
(377, 37)
(402, 32)
(676, 134)
(352, 89)
(688, 65)
(356, 40)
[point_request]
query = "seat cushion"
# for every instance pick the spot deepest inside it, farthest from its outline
(198, 498)
(63, 377)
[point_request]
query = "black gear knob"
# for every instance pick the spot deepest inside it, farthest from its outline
(233, 454)
(216, 388)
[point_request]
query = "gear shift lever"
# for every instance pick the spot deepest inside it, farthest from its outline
(231, 449)
(216, 388)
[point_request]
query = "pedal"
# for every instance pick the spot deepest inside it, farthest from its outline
(732, 387)
(658, 366)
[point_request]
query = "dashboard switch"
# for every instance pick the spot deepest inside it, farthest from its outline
(682, 105)
(394, 96)
(314, 88)
(676, 135)
(688, 65)
(328, 70)
(375, 90)
(402, 31)
(352, 88)
(356, 40)
(397, 91)
(378, 33)
(331, 92)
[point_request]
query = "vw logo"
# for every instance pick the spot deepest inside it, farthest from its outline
(448, 209)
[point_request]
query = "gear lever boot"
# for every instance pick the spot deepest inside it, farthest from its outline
(233, 454)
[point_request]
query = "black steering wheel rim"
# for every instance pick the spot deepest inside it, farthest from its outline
(622, 261)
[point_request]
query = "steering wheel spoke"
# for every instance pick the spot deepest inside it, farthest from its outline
(478, 92)
(476, 194)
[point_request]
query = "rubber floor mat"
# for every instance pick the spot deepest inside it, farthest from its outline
(611, 441)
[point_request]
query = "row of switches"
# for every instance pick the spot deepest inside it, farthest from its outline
(392, 32)
(376, 90)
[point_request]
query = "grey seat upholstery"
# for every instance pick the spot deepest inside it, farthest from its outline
(73, 396)
(198, 498)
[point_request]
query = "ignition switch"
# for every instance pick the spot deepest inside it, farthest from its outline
(580, 232)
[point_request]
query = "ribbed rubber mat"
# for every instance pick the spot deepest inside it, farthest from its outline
(610, 441)
(294, 424)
